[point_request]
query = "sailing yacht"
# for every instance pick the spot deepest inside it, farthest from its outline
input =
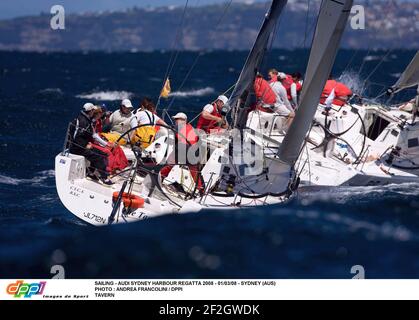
(365, 144)
(238, 170)
(356, 144)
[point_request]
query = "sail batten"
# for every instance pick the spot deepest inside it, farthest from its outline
(410, 76)
(253, 62)
(331, 23)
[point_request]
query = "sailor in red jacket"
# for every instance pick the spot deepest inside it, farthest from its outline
(186, 137)
(211, 119)
(336, 93)
(186, 133)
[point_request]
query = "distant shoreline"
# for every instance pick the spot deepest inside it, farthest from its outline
(213, 27)
(163, 52)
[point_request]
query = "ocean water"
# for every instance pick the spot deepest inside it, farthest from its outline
(320, 234)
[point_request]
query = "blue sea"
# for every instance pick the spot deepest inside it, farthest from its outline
(320, 234)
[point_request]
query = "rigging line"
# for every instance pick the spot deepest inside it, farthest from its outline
(312, 39)
(175, 53)
(268, 49)
(202, 52)
(305, 142)
(306, 26)
(307, 32)
(272, 40)
(239, 177)
(310, 29)
(382, 93)
(302, 149)
(178, 32)
(184, 80)
(351, 60)
(309, 165)
(364, 60)
(377, 66)
(223, 15)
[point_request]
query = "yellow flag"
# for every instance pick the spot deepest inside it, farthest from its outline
(166, 89)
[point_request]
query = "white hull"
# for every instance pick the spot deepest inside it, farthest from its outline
(322, 171)
(93, 202)
(317, 169)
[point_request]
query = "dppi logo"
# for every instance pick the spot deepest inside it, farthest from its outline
(27, 290)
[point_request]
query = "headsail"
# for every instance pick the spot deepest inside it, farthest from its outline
(253, 62)
(410, 76)
(331, 23)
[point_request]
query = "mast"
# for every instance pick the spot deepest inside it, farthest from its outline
(239, 97)
(331, 23)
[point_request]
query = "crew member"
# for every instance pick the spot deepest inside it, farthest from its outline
(116, 159)
(335, 92)
(282, 105)
(146, 113)
(121, 121)
(186, 137)
(211, 118)
(149, 123)
(82, 132)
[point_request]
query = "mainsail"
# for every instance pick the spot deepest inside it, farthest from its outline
(410, 76)
(331, 23)
(244, 84)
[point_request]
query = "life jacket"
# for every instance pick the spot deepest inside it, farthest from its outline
(287, 82)
(299, 87)
(341, 91)
(145, 134)
(265, 95)
(208, 125)
(264, 92)
(187, 135)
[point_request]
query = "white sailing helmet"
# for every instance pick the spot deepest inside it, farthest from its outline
(180, 115)
(89, 107)
(223, 98)
(127, 103)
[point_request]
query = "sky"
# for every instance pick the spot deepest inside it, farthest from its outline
(15, 8)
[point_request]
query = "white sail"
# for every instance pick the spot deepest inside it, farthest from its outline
(330, 26)
(410, 76)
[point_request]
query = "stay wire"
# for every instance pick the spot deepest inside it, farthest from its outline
(200, 54)
(174, 53)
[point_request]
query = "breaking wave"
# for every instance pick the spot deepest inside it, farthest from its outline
(353, 81)
(193, 93)
(37, 180)
(57, 91)
(106, 95)
(343, 195)
(372, 58)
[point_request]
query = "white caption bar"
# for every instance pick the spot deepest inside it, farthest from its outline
(207, 289)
